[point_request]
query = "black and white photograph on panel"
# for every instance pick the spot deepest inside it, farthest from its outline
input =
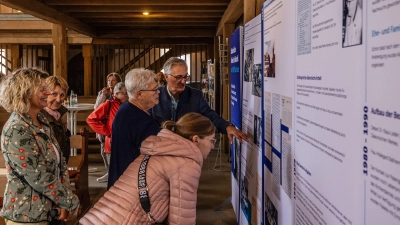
(352, 23)
(238, 155)
(256, 80)
(271, 214)
(257, 130)
(248, 64)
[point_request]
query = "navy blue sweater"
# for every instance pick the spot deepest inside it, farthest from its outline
(130, 128)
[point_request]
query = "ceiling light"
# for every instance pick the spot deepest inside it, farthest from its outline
(145, 13)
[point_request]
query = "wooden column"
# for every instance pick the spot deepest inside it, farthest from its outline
(249, 10)
(227, 30)
(258, 6)
(59, 36)
(15, 57)
(87, 53)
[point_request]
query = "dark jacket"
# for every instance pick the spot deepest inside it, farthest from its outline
(60, 131)
(130, 128)
(190, 100)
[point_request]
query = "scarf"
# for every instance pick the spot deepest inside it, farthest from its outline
(53, 113)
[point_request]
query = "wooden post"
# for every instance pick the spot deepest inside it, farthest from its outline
(59, 36)
(227, 30)
(15, 57)
(249, 10)
(87, 53)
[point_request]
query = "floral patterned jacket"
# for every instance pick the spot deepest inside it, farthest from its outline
(33, 185)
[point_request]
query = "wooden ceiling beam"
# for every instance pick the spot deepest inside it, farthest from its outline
(233, 12)
(25, 25)
(150, 20)
(152, 15)
(152, 33)
(136, 2)
(141, 25)
(191, 40)
(140, 9)
(42, 11)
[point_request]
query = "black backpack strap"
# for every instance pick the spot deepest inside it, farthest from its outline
(143, 189)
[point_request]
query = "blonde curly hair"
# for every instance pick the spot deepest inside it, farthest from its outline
(17, 88)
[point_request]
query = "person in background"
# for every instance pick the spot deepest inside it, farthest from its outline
(161, 79)
(54, 111)
(106, 93)
(172, 177)
(176, 100)
(133, 123)
(102, 96)
(37, 176)
(101, 119)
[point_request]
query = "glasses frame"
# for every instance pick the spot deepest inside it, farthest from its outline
(155, 90)
(180, 77)
(44, 89)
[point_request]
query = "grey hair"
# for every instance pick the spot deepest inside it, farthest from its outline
(171, 62)
(17, 88)
(118, 87)
(138, 79)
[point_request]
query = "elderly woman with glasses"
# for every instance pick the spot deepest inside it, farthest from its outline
(133, 123)
(54, 111)
(37, 176)
(101, 120)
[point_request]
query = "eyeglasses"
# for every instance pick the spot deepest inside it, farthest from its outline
(155, 89)
(213, 140)
(180, 77)
(44, 89)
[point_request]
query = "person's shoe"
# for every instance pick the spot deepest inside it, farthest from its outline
(103, 178)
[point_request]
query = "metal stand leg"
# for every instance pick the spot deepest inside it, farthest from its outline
(219, 156)
(224, 204)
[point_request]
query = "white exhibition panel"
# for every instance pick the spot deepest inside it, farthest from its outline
(330, 114)
(251, 172)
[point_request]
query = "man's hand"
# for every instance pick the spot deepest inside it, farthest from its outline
(232, 131)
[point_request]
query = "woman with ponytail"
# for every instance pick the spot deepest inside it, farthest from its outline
(171, 177)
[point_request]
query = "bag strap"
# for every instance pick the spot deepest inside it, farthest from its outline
(108, 111)
(143, 189)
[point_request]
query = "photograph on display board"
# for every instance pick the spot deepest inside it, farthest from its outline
(244, 198)
(352, 23)
(269, 59)
(257, 130)
(237, 154)
(256, 80)
(248, 64)
(271, 214)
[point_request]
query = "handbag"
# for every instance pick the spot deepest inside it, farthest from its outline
(104, 121)
(144, 191)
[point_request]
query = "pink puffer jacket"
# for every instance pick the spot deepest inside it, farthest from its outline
(172, 176)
